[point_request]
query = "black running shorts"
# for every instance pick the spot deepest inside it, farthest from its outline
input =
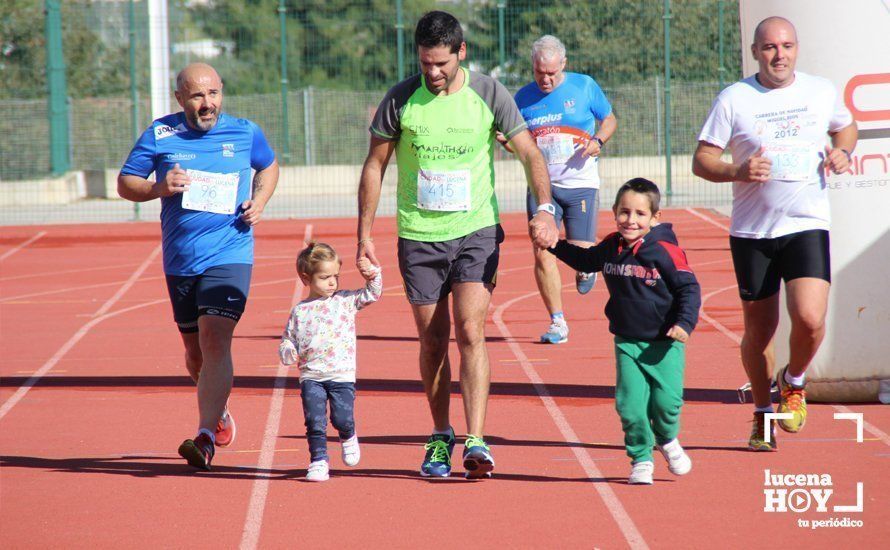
(760, 264)
(220, 290)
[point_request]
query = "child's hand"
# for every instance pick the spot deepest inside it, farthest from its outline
(366, 268)
(678, 334)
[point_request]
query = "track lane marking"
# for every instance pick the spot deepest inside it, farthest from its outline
(100, 315)
(253, 523)
(15, 249)
(616, 509)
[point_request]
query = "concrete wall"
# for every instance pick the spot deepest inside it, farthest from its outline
(62, 190)
(339, 183)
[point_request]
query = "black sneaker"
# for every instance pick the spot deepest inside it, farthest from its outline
(478, 461)
(198, 452)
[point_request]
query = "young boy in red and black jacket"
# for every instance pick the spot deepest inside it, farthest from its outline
(652, 309)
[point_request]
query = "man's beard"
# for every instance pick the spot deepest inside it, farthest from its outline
(204, 125)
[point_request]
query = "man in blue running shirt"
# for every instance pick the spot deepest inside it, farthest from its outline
(562, 110)
(202, 160)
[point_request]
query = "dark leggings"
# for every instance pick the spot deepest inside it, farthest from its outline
(315, 396)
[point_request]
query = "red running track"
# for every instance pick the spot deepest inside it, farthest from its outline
(94, 401)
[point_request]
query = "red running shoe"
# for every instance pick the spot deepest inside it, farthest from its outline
(225, 429)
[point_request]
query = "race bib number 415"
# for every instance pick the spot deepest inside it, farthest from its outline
(211, 192)
(791, 161)
(443, 191)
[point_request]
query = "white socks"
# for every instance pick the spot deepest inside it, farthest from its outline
(795, 380)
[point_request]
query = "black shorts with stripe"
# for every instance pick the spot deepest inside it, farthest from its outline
(761, 264)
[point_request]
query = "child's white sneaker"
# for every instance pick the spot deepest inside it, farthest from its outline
(641, 474)
(318, 471)
(678, 461)
(352, 453)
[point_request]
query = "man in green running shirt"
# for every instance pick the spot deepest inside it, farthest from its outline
(441, 123)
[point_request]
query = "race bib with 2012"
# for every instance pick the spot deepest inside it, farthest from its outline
(443, 191)
(211, 192)
(557, 148)
(791, 161)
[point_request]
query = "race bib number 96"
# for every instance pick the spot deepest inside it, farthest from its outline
(443, 191)
(211, 192)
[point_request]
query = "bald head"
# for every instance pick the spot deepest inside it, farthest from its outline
(199, 93)
(771, 25)
(197, 73)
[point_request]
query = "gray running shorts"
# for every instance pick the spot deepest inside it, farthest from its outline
(429, 269)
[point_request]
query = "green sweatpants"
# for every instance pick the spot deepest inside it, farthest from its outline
(648, 392)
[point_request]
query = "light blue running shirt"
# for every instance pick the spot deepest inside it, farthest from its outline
(562, 123)
(202, 228)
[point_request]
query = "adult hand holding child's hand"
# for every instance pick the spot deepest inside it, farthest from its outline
(366, 268)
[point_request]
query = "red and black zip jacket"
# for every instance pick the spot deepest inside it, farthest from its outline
(650, 284)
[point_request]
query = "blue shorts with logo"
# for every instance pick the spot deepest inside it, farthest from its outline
(577, 207)
(221, 290)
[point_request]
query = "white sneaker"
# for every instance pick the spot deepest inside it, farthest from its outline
(678, 461)
(641, 474)
(352, 453)
(318, 471)
(558, 333)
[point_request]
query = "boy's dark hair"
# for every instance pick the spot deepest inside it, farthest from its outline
(314, 254)
(643, 187)
(438, 28)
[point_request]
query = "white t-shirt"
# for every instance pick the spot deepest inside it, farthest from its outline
(792, 124)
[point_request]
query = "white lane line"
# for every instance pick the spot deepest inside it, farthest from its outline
(64, 272)
(98, 317)
(66, 290)
(129, 282)
(253, 523)
(13, 250)
(41, 372)
(619, 514)
(874, 430)
(708, 219)
(715, 323)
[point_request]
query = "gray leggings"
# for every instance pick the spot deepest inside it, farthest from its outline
(315, 397)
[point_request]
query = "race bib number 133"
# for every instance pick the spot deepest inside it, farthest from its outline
(791, 161)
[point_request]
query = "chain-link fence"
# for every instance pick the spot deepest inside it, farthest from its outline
(337, 58)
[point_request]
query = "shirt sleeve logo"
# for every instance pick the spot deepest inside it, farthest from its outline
(164, 131)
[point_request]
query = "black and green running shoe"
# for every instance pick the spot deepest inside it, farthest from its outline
(437, 461)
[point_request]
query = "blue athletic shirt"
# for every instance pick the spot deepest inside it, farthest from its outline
(562, 123)
(195, 240)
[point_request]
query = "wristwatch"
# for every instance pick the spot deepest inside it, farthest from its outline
(598, 140)
(547, 207)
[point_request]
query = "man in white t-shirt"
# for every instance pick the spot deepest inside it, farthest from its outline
(785, 130)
